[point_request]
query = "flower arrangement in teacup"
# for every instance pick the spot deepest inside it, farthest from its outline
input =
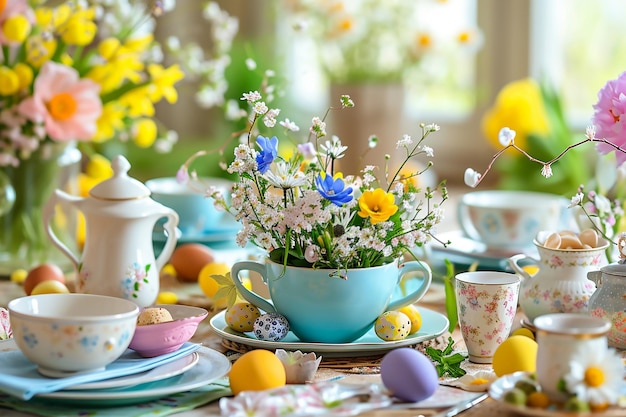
(608, 132)
(305, 213)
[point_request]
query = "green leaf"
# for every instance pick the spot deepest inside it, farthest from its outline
(223, 280)
(451, 309)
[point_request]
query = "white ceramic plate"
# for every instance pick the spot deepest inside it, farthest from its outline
(156, 374)
(501, 385)
(434, 324)
(211, 366)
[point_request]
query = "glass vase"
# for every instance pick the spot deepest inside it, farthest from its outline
(25, 189)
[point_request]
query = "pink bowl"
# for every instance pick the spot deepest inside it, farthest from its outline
(161, 338)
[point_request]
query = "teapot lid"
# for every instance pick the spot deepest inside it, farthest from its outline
(120, 186)
(616, 269)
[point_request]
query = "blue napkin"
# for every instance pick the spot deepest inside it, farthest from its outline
(19, 376)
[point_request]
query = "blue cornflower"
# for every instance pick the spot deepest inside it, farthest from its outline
(333, 190)
(269, 151)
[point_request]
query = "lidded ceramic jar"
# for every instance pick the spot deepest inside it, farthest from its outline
(609, 301)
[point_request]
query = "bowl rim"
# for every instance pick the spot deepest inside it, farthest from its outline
(199, 315)
(132, 313)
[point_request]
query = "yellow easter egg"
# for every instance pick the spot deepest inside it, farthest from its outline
(167, 297)
(257, 370)
(241, 316)
(19, 276)
(392, 325)
(208, 285)
(50, 286)
(414, 315)
(523, 331)
(517, 353)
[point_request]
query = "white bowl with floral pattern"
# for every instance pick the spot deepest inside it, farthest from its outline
(67, 333)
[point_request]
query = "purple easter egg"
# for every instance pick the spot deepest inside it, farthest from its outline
(409, 374)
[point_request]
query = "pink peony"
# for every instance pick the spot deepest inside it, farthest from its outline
(67, 105)
(609, 116)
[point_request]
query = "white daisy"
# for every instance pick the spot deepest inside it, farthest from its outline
(595, 377)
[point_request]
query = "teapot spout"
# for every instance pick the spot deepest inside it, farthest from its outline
(595, 276)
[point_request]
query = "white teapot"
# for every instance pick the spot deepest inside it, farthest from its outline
(118, 257)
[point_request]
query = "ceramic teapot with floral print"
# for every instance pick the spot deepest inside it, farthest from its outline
(561, 284)
(118, 257)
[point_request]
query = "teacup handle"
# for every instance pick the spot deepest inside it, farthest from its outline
(418, 293)
(248, 295)
(514, 264)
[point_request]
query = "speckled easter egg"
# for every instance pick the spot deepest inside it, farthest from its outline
(271, 326)
(409, 374)
(392, 325)
(241, 316)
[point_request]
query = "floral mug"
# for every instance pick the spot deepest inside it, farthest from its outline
(486, 303)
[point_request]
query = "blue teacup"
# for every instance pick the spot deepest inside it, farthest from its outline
(197, 212)
(321, 307)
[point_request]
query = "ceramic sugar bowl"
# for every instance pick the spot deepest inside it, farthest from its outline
(609, 301)
(561, 284)
(118, 257)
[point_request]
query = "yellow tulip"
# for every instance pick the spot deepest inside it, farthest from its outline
(24, 75)
(519, 106)
(16, 28)
(9, 81)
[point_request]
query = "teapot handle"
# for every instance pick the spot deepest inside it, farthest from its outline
(513, 263)
(170, 243)
(59, 196)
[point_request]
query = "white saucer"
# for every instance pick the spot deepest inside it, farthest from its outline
(464, 250)
(211, 366)
(434, 324)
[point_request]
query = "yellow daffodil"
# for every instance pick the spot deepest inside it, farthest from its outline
(111, 120)
(163, 80)
(138, 102)
(378, 205)
(16, 28)
(144, 132)
(519, 106)
(9, 81)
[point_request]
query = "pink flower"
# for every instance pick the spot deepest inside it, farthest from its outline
(610, 116)
(68, 106)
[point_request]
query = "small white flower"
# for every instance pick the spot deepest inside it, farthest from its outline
(595, 376)
(576, 200)
(506, 136)
(590, 132)
(429, 151)
(404, 142)
(546, 170)
(471, 177)
(251, 97)
(432, 127)
(289, 125)
(259, 107)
